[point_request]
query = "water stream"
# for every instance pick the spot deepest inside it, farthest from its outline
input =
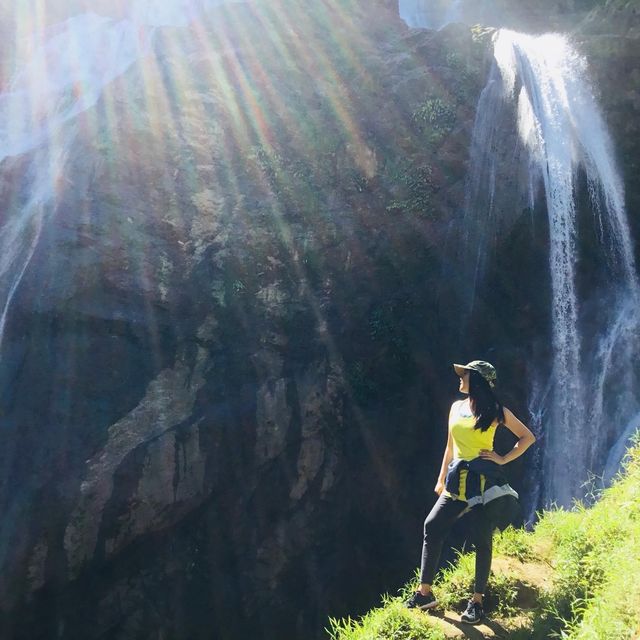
(560, 132)
(430, 14)
(538, 127)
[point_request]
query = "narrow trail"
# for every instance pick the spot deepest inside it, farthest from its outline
(532, 579)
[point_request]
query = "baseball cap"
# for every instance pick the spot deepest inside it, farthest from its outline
(485, 369)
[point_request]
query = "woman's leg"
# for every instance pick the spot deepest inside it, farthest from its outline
(482, 536)
(436, 526)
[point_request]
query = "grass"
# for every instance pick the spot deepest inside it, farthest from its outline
(393, 621)
(574, 577)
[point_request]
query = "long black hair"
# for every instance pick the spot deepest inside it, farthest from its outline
(484, 404)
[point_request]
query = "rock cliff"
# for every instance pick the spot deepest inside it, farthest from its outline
(226, 371)
(223, 366)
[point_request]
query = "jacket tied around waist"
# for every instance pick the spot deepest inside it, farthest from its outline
(480, 482)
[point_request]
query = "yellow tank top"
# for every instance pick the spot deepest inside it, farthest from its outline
(468, 441)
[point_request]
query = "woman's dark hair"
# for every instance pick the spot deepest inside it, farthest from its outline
(484, 404)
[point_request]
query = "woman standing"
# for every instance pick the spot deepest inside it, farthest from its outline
(470, 479)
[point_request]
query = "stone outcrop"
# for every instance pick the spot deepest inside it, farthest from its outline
(229, 314)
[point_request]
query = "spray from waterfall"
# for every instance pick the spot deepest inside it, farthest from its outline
(64, 73)
(430, 14)
(560, 131)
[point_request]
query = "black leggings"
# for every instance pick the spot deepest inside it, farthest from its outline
(436, 527)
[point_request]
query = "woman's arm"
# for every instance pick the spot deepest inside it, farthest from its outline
(446, 458)
(526, 439)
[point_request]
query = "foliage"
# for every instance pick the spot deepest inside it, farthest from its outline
(417, 184)
(388, 365)
(513, 543)
(290, 179)
(361, 382)
(596, 562)
(357, 181)
(436, 118)
(480, 34)
(592, 557)
(455, 584)
(463, 85)
(391, 622)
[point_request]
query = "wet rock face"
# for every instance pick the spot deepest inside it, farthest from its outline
(220, 369)
(613, 17)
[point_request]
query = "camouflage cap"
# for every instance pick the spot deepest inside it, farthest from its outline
(485, 369)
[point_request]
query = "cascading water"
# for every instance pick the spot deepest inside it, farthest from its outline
(560, 132)
(64, 74)
(415, 13)
(430, 14)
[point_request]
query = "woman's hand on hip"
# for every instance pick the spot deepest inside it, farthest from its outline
(439, 488)
(485, 454)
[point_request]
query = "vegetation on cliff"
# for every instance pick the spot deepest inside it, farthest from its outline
(574, 576)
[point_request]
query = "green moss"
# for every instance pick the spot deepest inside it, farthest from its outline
(435, 118)
(417, 189)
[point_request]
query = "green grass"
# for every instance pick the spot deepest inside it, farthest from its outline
(595, 554)
(589, 555)
(514, 543)
(393, 621)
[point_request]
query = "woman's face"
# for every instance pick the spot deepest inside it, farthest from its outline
(464, 382)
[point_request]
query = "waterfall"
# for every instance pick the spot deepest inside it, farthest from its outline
(560, 131)
(63, 77)
(430, 14)
(415, 13)
(64, 73)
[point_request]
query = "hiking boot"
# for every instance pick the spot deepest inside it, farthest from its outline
(473, 613)
(418, 601)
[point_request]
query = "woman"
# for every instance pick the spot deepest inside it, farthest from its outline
(470, 479)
